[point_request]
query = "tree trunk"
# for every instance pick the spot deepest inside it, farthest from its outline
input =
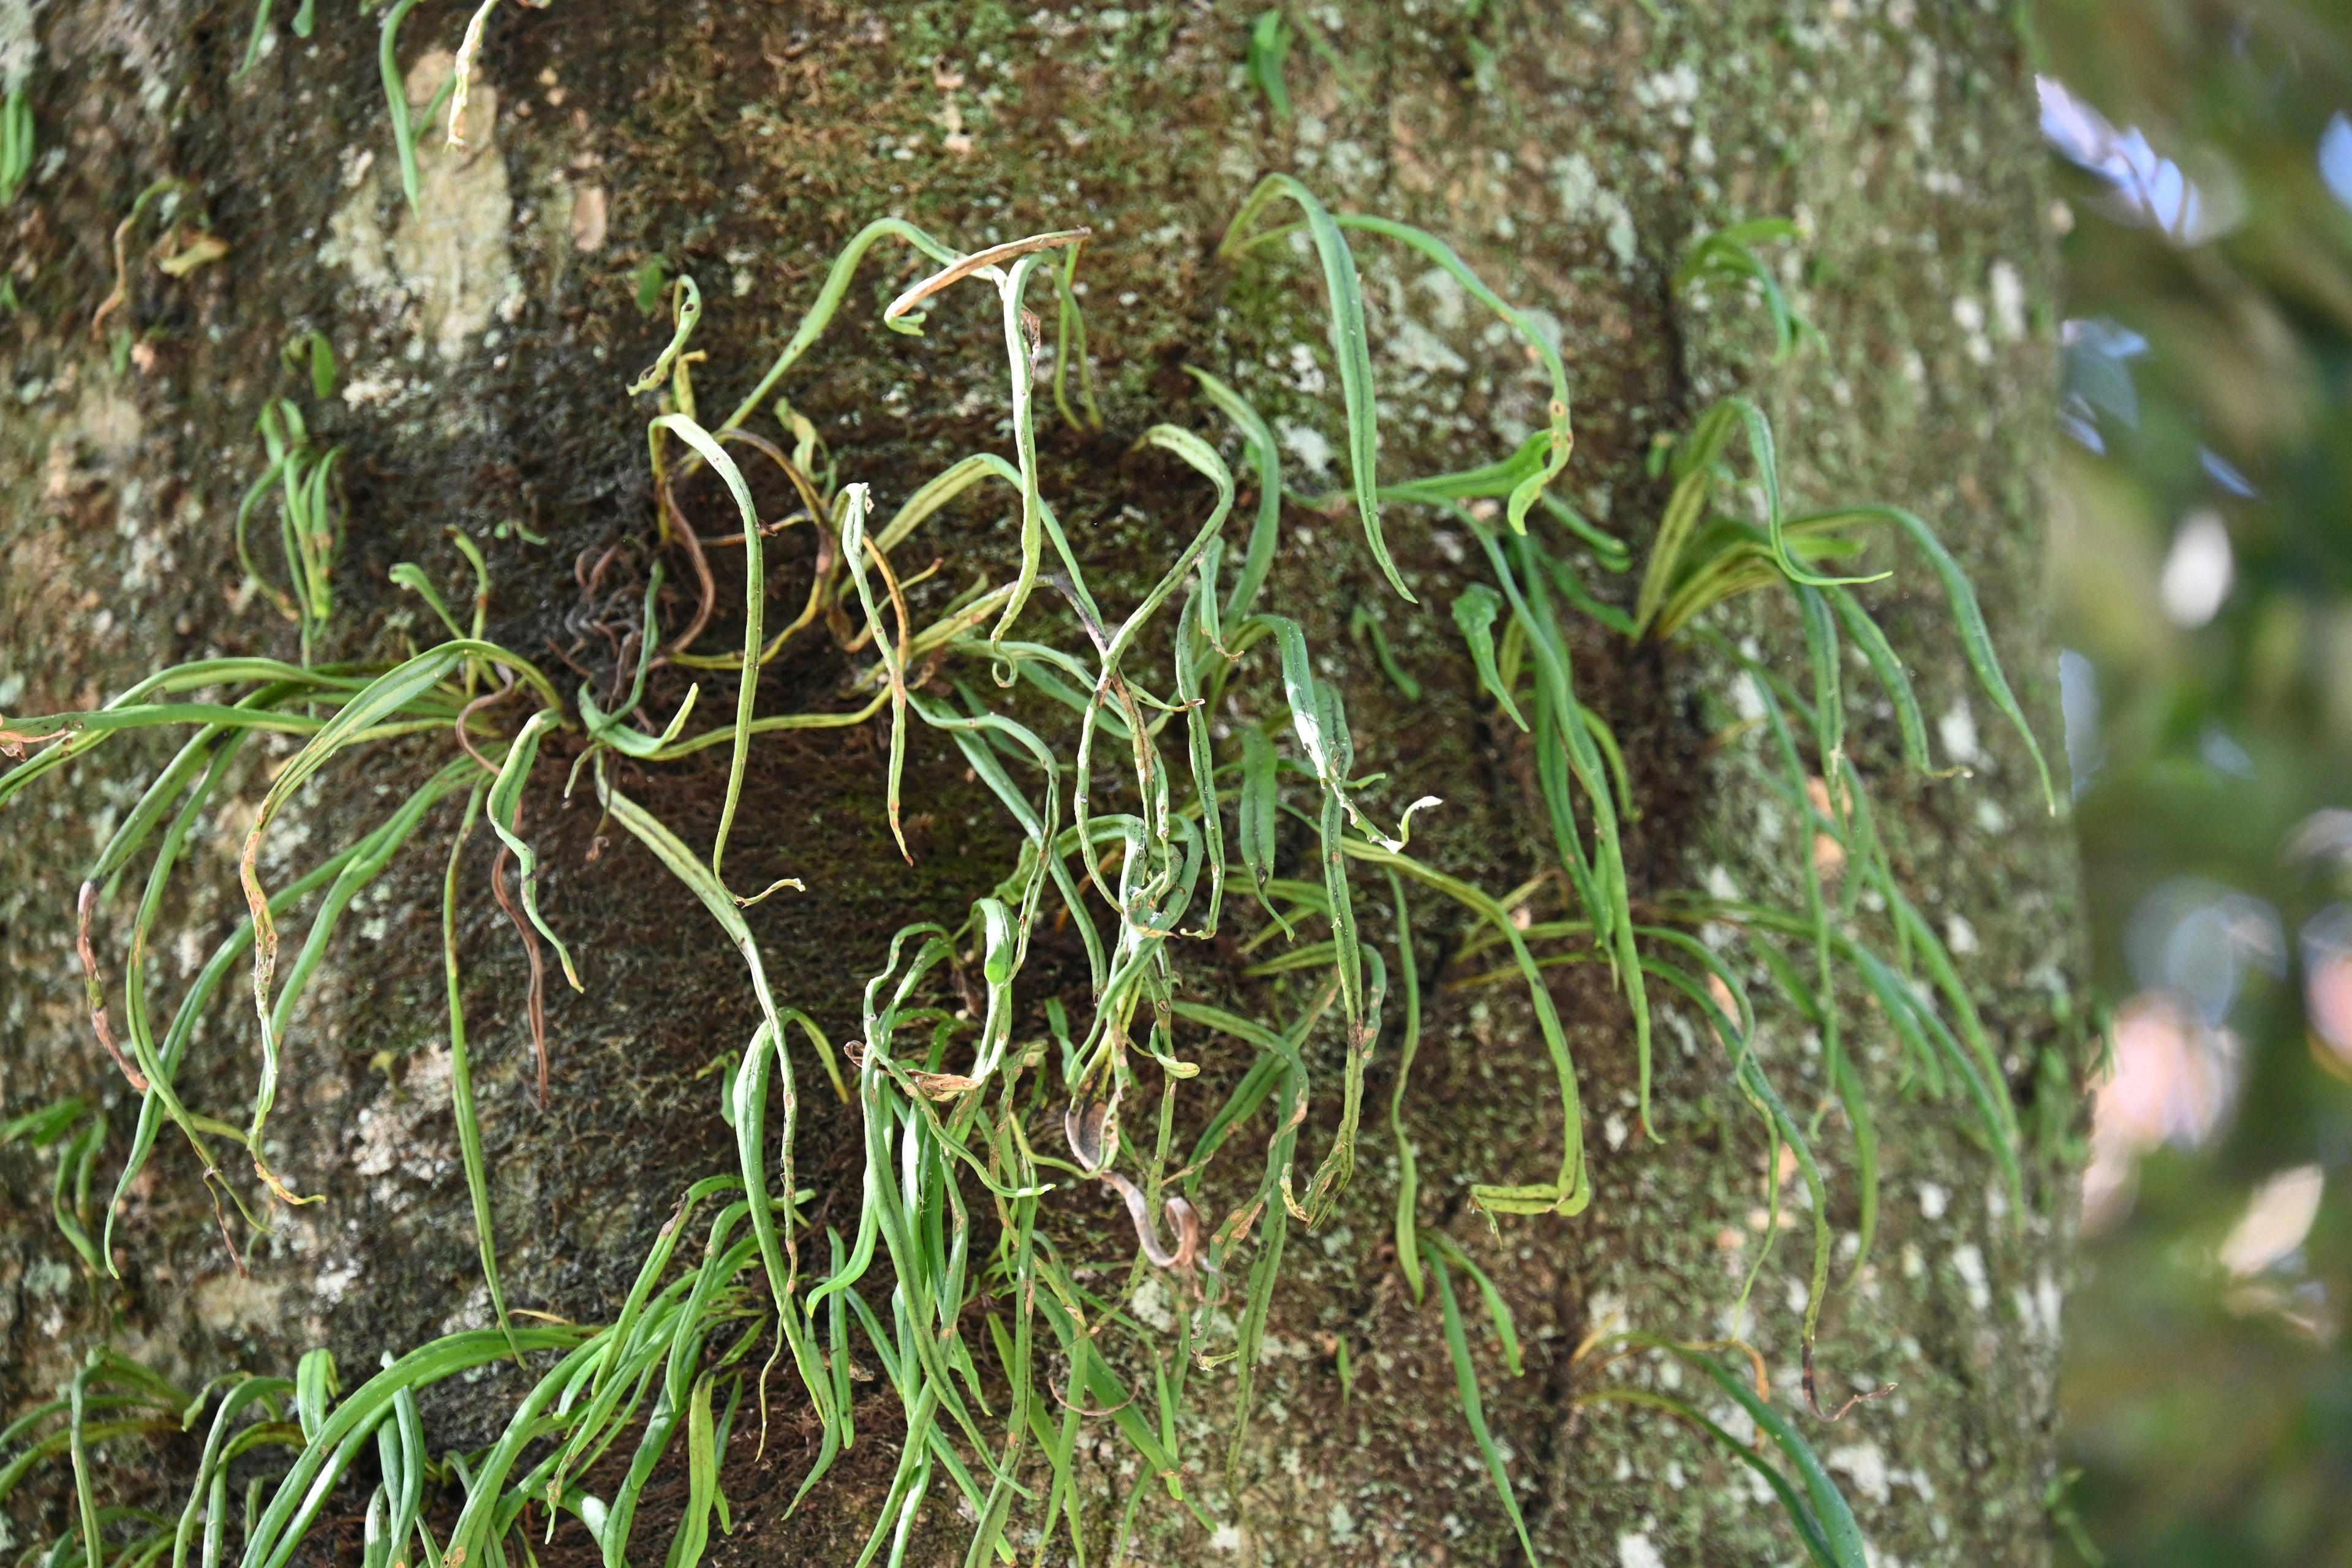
(482, 343)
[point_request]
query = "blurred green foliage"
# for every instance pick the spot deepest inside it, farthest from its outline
(2201, 566)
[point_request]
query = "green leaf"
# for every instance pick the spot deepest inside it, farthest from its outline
(1839, 1533)
(315, 1388)
(687, 312)
(1364, 625)
(1727, 254)
(1259, 798)
(1269, 52)
(1573, 1191)
(754, 600)
(461, 1078)
(1976, 638)
(1550, 450)
(1886, 664)
(1266, 456)
(1350, 346)
(505, 820)
(1475, 609)
(44, 1126)
(685, 1547)
(1474, 1409)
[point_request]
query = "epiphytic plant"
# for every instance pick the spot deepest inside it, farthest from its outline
(962, 1187)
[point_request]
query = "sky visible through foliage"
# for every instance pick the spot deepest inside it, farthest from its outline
(2201, 567)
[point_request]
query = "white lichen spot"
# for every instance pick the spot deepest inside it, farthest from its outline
(1583, 199)
(1933, 1200)
(1865, 1464)
(1634, 1551)
(334, 1281)
(1672, 90)
(1969, 315)
(375, 385)
(450, 252)
(1307, 444)
(1415, 345)
(1306, 375)
(1342, 1522)
(474, 1314)
(1747, 700)
(1352, 166)
(1969, 1264)
(1152, 1304)
(2008, 300)
(1613, 1129)
(1960, 936)
(1451, 304)
(47, 1277)
(1226, 1538)
(1957, 730)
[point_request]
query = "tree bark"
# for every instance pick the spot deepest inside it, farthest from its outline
(484, 342)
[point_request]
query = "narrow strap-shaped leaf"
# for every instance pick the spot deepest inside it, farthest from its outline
(1203, 459)
(387, 694)
(1475, 609)
(1888, 667)
(693, 1535)
(1829, 693)
(755, 594)
(1266, 456)
(1498, 1310)
(1560, 441)
(1201, 754)
(1259, 800)
(1695, 461)
(1407, 1197)
(1800, 1517)
(1839, 1533)
(1573, 1189)
(505, 816)
(1976, 638)
(1473, 1408)
(828, 302)
(685, 311)
(1763, 452)
(461, 1078)
(1350, 347)
(396, 95)
(281, 1526)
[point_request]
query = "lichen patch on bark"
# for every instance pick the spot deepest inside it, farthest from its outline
(449, 254)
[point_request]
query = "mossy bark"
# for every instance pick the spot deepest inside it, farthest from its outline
(1571, 153)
